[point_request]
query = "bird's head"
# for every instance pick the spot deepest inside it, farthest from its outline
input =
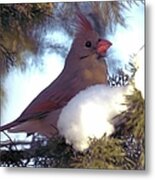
(87, 40)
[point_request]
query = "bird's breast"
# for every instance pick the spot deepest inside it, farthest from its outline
(87, 74)
(94, 76)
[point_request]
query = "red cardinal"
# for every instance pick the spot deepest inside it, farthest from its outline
(84, 66)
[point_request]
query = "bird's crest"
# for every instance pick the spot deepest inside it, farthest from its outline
(82, 23)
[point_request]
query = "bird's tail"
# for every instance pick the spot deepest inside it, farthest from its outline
(9, 125)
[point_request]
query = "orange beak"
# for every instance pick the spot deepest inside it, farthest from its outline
(103, 45)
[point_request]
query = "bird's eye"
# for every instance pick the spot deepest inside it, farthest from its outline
(88, 44)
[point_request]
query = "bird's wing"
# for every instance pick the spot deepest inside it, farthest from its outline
(54, 97)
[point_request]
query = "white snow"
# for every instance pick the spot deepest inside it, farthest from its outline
(88, 114)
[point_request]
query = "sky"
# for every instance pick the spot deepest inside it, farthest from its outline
(127, 41)
(26, 85)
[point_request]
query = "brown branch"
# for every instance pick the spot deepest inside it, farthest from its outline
(9, 140)
(11, 143)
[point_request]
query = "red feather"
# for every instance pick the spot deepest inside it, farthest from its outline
(82, 24)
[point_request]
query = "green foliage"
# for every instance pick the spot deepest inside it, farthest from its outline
(123, 150)
(135, 116)
(108, 153)
(23, 15)
(102, 154)
(19, 30)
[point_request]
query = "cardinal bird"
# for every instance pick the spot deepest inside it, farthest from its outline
(84, 67)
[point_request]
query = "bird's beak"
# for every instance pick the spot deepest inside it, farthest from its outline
(102, 46)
